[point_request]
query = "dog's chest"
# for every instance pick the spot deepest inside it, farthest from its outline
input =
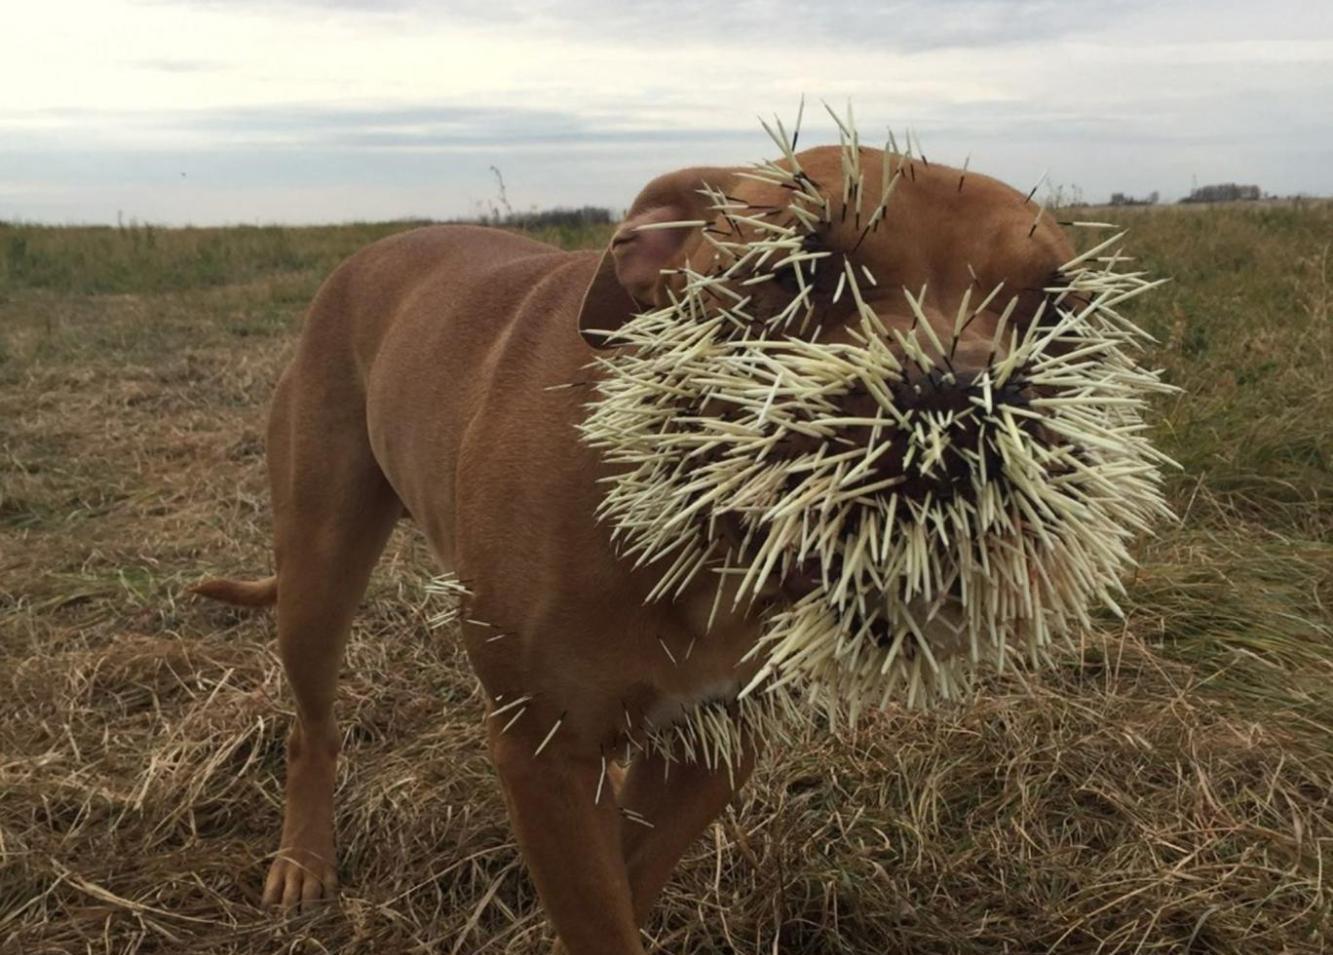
(670, 708)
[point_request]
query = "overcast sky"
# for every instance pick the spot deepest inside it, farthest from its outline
(220, 111)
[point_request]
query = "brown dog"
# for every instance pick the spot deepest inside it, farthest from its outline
(423, 385)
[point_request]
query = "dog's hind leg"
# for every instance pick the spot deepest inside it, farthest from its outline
(333, 510)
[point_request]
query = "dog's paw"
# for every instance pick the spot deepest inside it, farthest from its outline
(299, 879)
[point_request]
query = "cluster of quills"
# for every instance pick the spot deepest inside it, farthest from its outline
(949, 523)
(939, 524)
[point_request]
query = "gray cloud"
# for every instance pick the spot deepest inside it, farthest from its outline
(308, 163)
(1120, 95)
(433, 127)
(890, 25)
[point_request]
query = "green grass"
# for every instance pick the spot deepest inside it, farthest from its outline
(146, 259)
(1245, 331)
(1167, 788)
(140, 259)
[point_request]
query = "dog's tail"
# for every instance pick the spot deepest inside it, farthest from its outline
(242, 593)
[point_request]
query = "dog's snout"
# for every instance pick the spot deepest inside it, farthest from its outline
(971, 356)
(934, 442)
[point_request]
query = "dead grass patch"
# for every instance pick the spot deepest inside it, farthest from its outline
(1165, 789)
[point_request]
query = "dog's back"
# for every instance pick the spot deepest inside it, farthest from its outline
(445, 284)
(400, 347)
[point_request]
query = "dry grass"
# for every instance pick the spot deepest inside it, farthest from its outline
(1168, 788)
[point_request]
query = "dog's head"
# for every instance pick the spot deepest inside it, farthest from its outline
(886, 397)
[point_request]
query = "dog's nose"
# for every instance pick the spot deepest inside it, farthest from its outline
(940, 437)
(969, 357)
(941, 389)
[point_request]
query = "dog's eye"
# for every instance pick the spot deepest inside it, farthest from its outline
(786, 276)
(787, 280)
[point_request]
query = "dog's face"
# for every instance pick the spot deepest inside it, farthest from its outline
(953, 243)
(884, 396)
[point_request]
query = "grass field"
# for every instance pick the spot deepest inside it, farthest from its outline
(1167, 788)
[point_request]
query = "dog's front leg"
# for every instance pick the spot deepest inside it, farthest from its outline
(667, 808)
(571, 842)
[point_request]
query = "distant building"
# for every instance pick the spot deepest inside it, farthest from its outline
(1224, 192)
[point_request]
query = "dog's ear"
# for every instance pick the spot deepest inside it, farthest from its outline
(629, 275)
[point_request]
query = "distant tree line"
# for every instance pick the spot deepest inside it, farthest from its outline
(1217, 192)
(1121, 199)
(559, 217)
(1224, 192)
